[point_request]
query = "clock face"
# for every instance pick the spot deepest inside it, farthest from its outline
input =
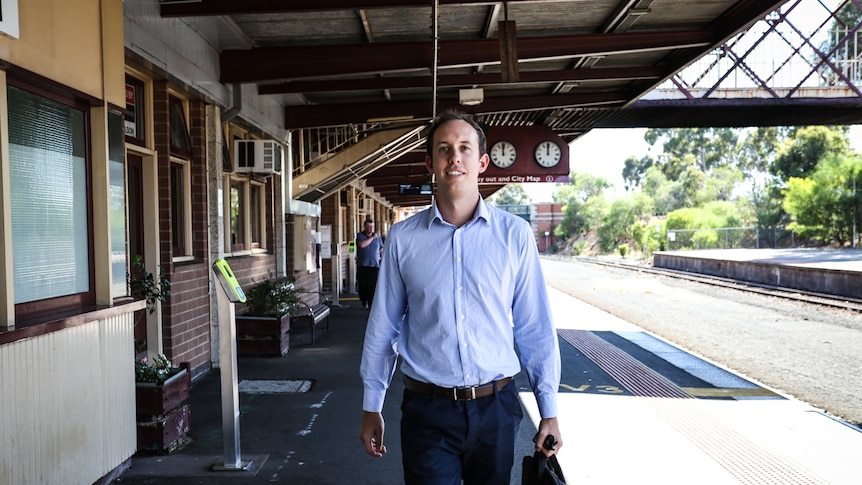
(503, 154)
(548, 153)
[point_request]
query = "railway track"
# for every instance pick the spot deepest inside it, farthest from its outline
(821, 299)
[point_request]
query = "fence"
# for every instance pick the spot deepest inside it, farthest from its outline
(730, 237)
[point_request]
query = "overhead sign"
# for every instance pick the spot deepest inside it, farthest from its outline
(414, 189)
(526, 154)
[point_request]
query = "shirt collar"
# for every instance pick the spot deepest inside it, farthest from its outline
(482, 212)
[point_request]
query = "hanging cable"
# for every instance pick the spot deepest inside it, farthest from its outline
(434, 27)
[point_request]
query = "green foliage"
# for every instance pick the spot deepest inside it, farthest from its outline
(272, 297)
(661, 190)
(511, 194)
(704, 179)
(699, 148)
(634, 171)
(713, 215)
(157, 371)
(639, 236)
(719, 185)
(573, 220)
(144, 285)
(623, 249)
(622, 214)
(828, 203)
(798, 155)
(580, 246)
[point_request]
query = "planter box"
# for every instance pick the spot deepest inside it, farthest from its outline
(164, 433)
(160, 399)
(162, 418)
(262, 336)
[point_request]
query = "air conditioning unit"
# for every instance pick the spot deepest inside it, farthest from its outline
(257, 156)
(365, 203)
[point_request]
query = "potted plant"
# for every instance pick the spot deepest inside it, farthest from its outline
(264, 328)
(160, 393)
(144, 285)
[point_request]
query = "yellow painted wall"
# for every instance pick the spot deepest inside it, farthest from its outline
(63, 40)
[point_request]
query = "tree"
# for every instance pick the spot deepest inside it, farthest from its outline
(719, 185)
(623, 213)
(828, 204)
(584, 203)
(582, 187)
(511, 194)
(704, 148)
(799, 154)
(635, 170)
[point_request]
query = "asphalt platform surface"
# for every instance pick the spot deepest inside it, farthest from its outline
(309, 437)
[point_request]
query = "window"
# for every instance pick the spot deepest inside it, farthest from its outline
(117, 203)
(255, 215)
(180, 209)
(51, 220)
(245, 227)
(181, 143)
(237, 221)
(181, 202)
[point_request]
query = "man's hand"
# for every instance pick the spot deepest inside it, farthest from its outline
(548, 426)
(371, 434)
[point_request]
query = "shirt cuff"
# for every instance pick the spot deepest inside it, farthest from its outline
(372, 401)
(547, 405)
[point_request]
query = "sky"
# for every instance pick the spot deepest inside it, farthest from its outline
(603, 152)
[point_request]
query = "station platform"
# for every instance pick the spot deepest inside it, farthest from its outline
(633, 409)
(637, 409)
(827, 271)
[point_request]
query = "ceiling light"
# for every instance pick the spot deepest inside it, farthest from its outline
(470, 97)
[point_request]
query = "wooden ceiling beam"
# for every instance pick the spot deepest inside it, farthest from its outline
(306, 62)
(346, 113)
(486, 79)
(209, 8)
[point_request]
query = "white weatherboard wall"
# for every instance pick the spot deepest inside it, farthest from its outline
(68, 413)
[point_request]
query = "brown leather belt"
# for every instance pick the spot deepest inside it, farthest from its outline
(456, 393)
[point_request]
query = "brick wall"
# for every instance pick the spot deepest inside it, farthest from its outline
(546, 217)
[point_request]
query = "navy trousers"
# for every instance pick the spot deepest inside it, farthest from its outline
(366, 277)
(444, 441)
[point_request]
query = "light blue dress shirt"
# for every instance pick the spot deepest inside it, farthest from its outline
(473, 292)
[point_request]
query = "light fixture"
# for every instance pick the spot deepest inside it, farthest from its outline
(471, 97)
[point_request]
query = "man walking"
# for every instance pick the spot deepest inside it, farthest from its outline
(460, 285)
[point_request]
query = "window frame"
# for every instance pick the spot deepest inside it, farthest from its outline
(35, 311)
(251, 206)
(184, 251)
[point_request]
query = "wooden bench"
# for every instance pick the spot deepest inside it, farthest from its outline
(313, 315)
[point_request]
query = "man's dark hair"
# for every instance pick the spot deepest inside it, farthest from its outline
(452, 116)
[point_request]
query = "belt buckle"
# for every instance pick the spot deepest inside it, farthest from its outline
(471, 397)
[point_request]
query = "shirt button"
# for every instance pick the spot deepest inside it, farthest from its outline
(460, 288)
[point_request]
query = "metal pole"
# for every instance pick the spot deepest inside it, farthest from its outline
(229, 386)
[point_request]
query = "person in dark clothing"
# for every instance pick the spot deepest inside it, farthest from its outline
(369, 245)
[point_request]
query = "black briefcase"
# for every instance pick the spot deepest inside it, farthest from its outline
(541, 470)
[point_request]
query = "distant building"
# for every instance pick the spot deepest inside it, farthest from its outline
(544, 218)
